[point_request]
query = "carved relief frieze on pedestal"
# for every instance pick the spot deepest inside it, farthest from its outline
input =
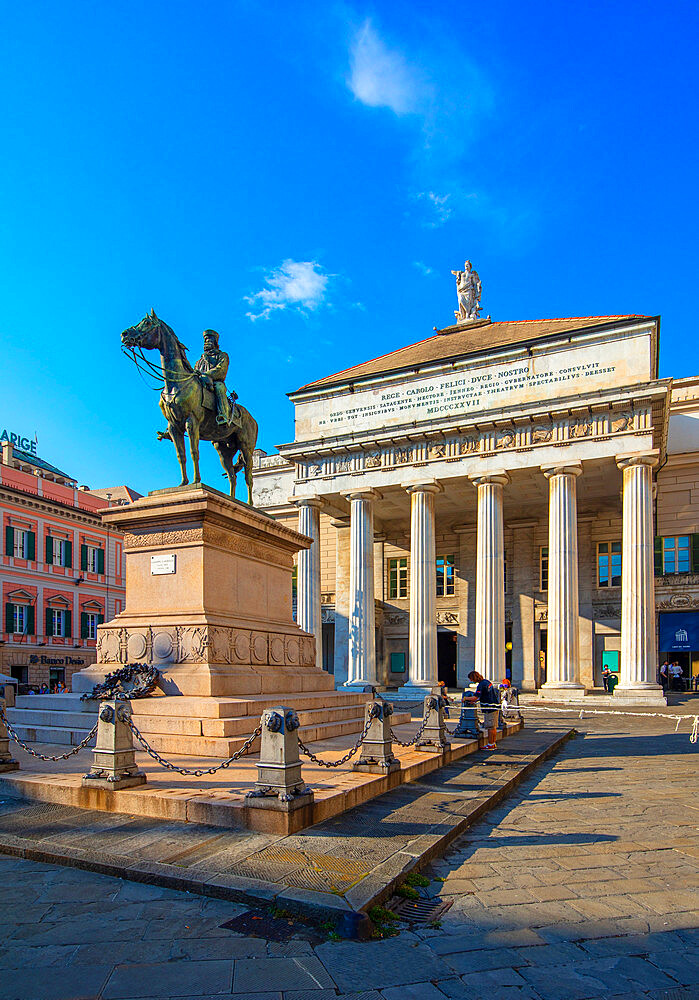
(198, 644)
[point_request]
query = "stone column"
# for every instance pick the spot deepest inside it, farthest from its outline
(466, 596)
(342, 573)
(522, 565)
(422, 658)
(361, 611)
(563, 643)
(638, 642)
(490, 577)
(308, 610)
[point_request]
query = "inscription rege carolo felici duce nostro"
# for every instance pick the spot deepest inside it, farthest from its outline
(456, 393)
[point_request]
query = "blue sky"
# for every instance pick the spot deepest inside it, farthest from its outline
(303, 177)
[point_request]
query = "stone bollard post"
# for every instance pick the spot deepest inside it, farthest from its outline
(279, 783)
(377, 746)
(7, 762)
(468, 725)
(114, 758)
(434, 735)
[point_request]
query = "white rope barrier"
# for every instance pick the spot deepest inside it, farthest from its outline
(693, 736)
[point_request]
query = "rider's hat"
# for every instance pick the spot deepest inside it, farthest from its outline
(212, 334)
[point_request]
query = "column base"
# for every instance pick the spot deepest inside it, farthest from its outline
(409, 692)
(360, 684)
(645, 694)
(568, 691)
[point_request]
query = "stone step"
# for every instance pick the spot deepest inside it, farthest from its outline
(194, 744)
(55, 702)
(40, 719)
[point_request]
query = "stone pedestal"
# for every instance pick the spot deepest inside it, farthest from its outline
(637, 683)
(422, 660)
(377, 746)
(434, 735)
(563, 648)
(7, 762)
(279, 783)
(490, 577)
(208, 599)
(114, 761)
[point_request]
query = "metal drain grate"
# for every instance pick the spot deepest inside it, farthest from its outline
(419, 911)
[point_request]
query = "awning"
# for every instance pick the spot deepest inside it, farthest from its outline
(678, 631)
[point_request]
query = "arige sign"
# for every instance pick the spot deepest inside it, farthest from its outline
(25, 443)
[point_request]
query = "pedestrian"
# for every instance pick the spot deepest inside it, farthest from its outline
(676, 678)
(606, 674)
(486, 694)
(664, 674)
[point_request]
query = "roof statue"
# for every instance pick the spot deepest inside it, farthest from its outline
(468, 293)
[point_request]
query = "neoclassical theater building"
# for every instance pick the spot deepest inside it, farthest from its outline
(521, 497)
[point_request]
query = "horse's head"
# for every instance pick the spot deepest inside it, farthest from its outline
(145, 334)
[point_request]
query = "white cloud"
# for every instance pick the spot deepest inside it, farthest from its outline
(381, 77)
(440, 207)
(300, 285)
(424, 270)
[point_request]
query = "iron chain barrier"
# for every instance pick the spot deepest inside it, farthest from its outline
(195, 772)
(417, 735)
(11, 731)
(343, 760)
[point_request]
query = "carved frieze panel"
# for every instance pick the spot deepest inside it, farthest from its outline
(327, 616)
(447, 617)
(174, 537)
(678, 602)
(527, 434)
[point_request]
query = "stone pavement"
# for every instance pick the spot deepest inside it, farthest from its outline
(335, 869)
(581, 885)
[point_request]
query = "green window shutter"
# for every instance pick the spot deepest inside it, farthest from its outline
(695, 553)
(83, 624)
(9, 617)
(100, 619)
(100, 560)
(49, 550)
(31, 621)
(68, 554)
(49, 622)
(31, 546)
(9, 540)
(83, 557)
(658, 555)
(68, 619)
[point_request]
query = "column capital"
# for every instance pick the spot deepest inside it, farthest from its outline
(430, 486)
(306, 501)
(564, 469)
(365, 494)
(496, 478)
(650, 458)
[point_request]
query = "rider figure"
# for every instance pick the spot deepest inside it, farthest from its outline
(213, 366)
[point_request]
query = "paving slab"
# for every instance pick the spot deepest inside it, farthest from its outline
(336, 869)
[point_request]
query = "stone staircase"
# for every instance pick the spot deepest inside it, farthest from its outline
(199, 727)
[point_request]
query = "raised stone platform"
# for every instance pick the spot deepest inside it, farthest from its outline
(336, 870)
(208, 602)
(219, 799)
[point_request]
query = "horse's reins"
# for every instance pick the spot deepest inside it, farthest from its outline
(153, 370)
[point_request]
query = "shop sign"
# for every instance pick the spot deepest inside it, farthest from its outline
(22, 442)
(678, 632)
(56, 661)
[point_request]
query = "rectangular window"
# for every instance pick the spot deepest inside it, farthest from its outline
(21, 544)
(544, 567)
(20, 618)
(609, 564)
(445, 576)
(397, 578)
(95, 559)
(58, 546)
(677, 554)
(58, 622)
(91, 622)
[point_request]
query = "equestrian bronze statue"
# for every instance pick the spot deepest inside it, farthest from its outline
(194, 401)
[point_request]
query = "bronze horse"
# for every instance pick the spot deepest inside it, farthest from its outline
(188, 406)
